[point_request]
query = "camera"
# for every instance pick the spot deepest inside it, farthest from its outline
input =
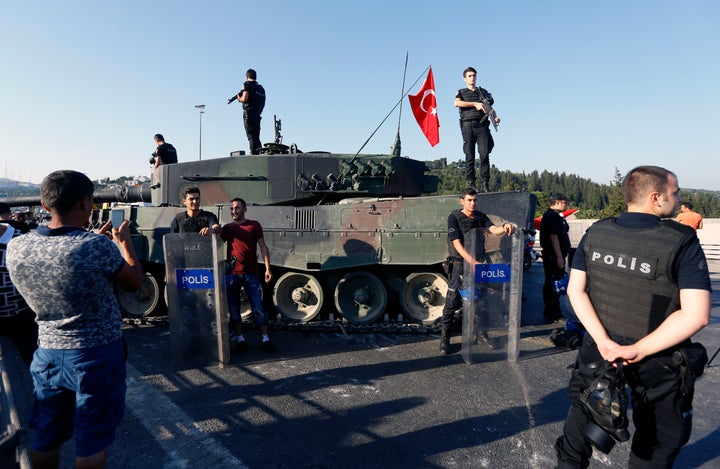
(606, 402)
(152, 157)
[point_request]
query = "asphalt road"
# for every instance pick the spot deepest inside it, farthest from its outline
(372, 400)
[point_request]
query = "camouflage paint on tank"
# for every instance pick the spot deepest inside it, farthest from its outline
(298, 179)
(380, 231)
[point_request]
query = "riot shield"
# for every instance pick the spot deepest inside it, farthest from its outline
(492, 297)
(197, 301)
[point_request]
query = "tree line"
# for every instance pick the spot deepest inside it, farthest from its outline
(593, 200)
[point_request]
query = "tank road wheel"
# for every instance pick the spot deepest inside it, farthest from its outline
(298, 297)
(360, 297)
(423, 296)
(142, 302)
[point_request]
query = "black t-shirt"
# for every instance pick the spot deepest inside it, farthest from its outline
(256, 97)
(167, 153)
(182, 223)
(554, 224)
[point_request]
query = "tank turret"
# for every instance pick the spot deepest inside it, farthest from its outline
(292, 179)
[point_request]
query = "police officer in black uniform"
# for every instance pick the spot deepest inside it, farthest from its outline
(640, 286)
(475, 127)
(460, 223)
(252, 97)
(555, 243)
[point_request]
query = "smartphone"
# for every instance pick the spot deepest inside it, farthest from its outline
(116, 217)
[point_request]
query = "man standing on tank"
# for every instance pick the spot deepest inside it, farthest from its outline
(165, 153)
(252, 97)
(641, 288)
(243, 238)
(475, 128)
(194, 219)
(460, 223)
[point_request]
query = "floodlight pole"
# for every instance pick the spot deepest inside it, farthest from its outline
(201, 108)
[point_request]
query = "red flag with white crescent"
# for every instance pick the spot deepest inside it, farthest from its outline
(424, 107)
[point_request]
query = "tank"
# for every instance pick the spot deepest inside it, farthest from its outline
(350, 236)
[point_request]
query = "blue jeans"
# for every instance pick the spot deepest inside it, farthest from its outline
(80, 389)
(253, 291)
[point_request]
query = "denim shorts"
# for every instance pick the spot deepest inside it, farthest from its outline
(253, 290)
(82, 389)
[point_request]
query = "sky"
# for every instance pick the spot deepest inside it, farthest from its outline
(582, 87)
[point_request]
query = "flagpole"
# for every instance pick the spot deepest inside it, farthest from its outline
(396, 146)
(388, 114)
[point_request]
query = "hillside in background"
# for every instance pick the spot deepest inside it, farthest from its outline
(12, 188)
(594, 200)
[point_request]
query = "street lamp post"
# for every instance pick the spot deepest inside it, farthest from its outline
(201, 108)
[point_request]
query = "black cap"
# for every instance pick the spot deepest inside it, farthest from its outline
(557, 196)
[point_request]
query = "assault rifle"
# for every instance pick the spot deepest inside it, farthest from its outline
(234, 97)
(489, 111)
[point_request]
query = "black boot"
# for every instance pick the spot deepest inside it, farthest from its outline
(445, 342)
(484, 187)
(471, 184)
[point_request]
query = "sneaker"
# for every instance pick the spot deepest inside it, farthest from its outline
(268, 347)
(240, 347)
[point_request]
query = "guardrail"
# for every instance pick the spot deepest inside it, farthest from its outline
(712, 251)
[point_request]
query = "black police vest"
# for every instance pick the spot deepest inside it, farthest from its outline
(167, 153)
(630, 274)
(256, 97)
(466, 225)
(470, 113)
(187, 224)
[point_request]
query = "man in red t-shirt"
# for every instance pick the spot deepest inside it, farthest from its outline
(688, 217)
(243, 237)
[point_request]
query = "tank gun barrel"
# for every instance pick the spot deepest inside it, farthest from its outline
(120, 193)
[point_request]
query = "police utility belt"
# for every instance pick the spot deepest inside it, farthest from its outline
(474, 123)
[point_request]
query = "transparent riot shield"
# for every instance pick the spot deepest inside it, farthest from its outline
(492, 297)
(197, 301)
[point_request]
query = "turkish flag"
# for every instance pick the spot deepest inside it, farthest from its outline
(424, 107)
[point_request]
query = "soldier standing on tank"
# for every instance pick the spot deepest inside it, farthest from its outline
(475, 128)
(252, 97)
(460, 223)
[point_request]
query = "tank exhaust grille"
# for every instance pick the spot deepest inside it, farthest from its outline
(305, 219)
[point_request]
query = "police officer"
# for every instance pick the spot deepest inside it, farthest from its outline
(460, 222)
(555, 243)
(252, 97)
(475, 128)
(165, 153)
(640, 286)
